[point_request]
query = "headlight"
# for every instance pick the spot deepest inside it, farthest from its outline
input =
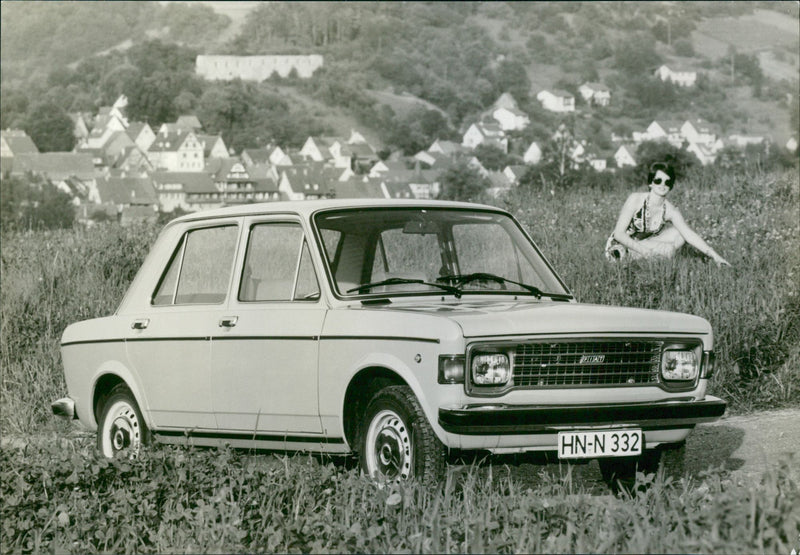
(490, 369)
(679, 365)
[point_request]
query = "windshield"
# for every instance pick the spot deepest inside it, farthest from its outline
(400, 251)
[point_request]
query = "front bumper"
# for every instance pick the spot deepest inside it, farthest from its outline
(498, 419)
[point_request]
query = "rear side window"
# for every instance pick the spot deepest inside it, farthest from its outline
(200, 268)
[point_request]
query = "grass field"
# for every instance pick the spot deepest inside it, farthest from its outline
(63, 498)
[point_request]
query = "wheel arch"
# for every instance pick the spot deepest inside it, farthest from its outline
(104, 384)
(362, 387)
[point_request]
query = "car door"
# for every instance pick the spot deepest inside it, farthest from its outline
(169, 345)
(264, 360)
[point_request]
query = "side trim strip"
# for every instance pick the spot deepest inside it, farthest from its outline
(259, 337)
(247, 436)
(379, 338)
(91, 342)
(265, 337)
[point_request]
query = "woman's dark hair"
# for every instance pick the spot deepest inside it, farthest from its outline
(664, 167)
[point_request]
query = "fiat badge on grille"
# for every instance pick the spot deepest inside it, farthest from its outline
(592, 359)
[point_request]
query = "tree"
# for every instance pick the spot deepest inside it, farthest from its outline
(463, 183)
(50, 128)
(31, 202)
(492, 157)
(661, 151)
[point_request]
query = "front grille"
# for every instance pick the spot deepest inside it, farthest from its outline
(589, 363)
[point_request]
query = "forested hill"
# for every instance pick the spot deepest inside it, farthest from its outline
(456, 56)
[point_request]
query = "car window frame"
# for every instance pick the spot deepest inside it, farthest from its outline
(244, 240)
(181, 248)
(328, 270)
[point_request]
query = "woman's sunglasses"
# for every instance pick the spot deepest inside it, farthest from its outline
(659, 181)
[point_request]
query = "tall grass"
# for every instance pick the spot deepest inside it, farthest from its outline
(50, 279)
(753, 306)
(67, 500)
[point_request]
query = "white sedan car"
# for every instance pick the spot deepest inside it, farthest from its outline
(397, 330)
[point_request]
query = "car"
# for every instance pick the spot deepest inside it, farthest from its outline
(397, 330)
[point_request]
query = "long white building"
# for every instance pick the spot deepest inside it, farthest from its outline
(255, 68)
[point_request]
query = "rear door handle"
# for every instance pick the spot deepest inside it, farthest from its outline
(228, 321)
(140, 324)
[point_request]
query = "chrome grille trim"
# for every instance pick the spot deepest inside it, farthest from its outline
(592, 363)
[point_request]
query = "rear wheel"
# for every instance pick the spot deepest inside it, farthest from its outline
(397, 442)
(120, 427)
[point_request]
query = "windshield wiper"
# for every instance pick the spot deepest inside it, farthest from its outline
(402, 281)
(461, 280)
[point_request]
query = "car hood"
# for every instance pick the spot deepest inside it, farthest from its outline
(499, 318)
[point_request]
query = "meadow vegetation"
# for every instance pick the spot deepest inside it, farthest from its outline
(57, 495)
(65, 499)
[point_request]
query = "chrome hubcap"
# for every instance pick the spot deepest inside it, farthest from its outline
(122, 430)
(389, 454)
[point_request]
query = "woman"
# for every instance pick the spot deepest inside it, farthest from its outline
(651, 226)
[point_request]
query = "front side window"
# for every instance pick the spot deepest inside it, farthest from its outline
(418, 251)
(200, 268)
(277, 265)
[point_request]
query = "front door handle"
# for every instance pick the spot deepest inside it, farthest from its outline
(228, 321)
(140, 324)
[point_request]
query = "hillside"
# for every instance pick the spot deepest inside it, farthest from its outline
(452, 58)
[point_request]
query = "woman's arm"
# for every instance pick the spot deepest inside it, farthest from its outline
(690, 236)
(632, 204)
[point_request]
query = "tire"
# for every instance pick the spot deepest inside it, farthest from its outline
(620, 473)
(396, 441)
(121, 428)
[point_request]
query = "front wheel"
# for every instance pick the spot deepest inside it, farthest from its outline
(397, 442)
(121, 428)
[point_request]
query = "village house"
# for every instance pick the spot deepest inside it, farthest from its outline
(669, 130)
(447, 148)
(14, 142)
(705, 153)
(58, 167)
(178, 151)
(189, 122)
(699, 131)
(533, 154)
(256, 156)
(311, 180)
(556, 100)
(514, 173)
(595, 94)
(133, 198)
(498, 183)
(133, 159)
(680, 78)
(238, 184)
(213, 146)
(485, 133)
(81, 124)
(507, 114)
(742, 141)
(141, 133)
(185, 191)
(625, 156)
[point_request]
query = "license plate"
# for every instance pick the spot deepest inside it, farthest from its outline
(600, 443)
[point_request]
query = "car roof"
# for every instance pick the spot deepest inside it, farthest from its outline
(307, 207)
